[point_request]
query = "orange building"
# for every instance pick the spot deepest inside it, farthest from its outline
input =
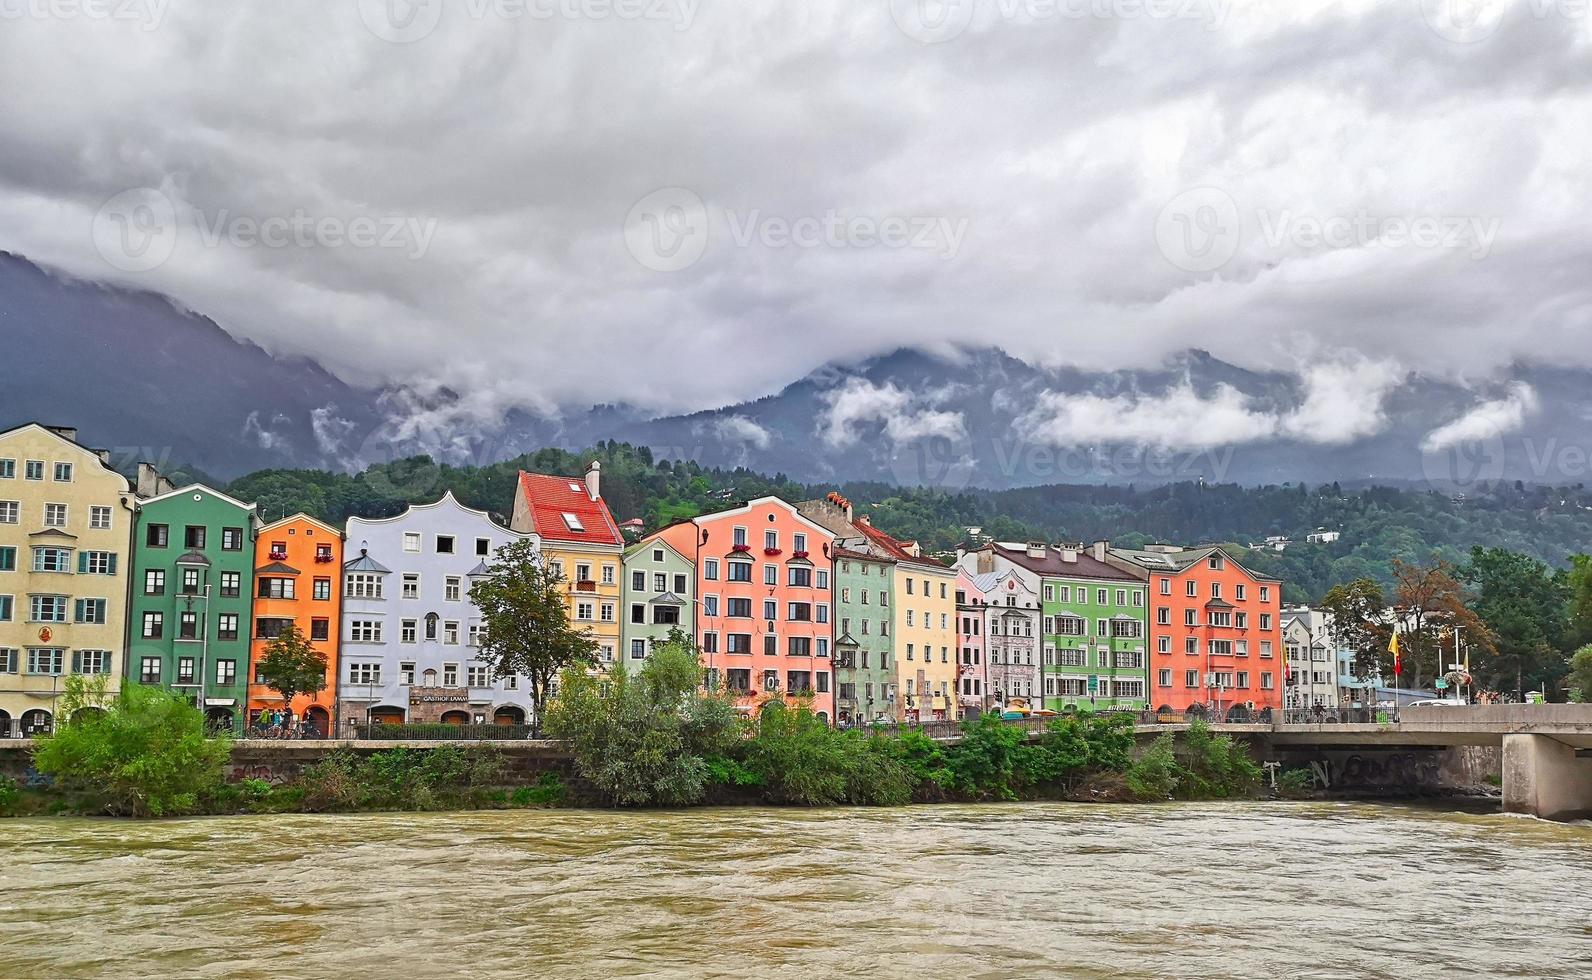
(763, 624)
(298, 562)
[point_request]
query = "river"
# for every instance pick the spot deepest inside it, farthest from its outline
(959, 892)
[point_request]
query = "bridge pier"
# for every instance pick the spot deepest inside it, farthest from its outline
(1546, 778)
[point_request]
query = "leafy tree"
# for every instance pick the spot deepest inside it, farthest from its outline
(1429, 603)
(1578, 584)
(1580, 679)
(146, 754)
(645, 739)
(1525, 607)
(526, 625)
(290, 666)
(1360, 623)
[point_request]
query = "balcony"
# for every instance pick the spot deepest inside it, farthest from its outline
(586, 585)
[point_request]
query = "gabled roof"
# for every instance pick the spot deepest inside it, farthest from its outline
(193, 487)
(1178, 561)
(276, 568)
(667, 599)
(896, 548)
(196, 558)
(305, 518)
(549, 498)
(653, 541)
(860, 556)
(70, 442)
(1086, 567)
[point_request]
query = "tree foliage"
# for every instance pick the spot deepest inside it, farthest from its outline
(145, 754)
(525, 623)
(1525, 606)
(291, 666)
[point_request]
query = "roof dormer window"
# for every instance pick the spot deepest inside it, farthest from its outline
(572, 522)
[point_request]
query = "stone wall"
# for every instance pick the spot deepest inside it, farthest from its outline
(1393, 771)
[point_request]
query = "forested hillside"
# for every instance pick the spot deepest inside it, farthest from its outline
(1378, 525)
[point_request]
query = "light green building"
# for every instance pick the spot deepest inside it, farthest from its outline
(657, 597)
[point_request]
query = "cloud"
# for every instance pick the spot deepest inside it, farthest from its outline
(1061, 141)
(1182, 418)
(907, 417)
(1343, 401)
(1488, 420)
(742, 430)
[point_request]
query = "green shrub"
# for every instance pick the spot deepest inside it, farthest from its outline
(1216, 766)
(547, 791)
(1155, 774)
(10, 793)
(145, 754)
(729, 772)
(798, 759)
(1295, 782)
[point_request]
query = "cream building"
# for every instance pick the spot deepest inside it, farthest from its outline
(65, 536)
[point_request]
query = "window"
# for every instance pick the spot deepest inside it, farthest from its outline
(710, 605)
(10, 512)
(1100, 597)
(738, 536)
(33, 469)
(8, 469)
(99, 518)
(445, 544)
(55, 515)
(710, 569)
(406, 673)
(1239, 592)
(477, 675)
(585, 611)
(367, 674)
(1265, 648)
(660, 582)
(193, 537)
(681, 587)
(800, 576)
(771, 540)
(1189, 617)
(1163, 678)
(187, 626)
(8, 559)
(800, 646)
(7, 609)
(638, 581)
(710, 643)
(47, 609)
(1191, 645)
(231, 585)
(738, 643)
(739, 571)
(450, 675)
(452, 588)
(800, 612)
(154, 625)
(411, 585)
(483, 547)
(149, 670)
(412, 542)
(475, 635)
(157, 535)
(572, 521)
(91, 662)
(770, 574)
(364, 630)
(63, 472)
(638, 649)
(1265, 680)
(226, 672)
(48, 661)
(320, 629)
(52, 560)
(1265, 593)
(227, 626)
(89, 611)
(96, 563)
(277, 588)
(232, 539)
(1265, 621)
(821, 580)
(739, 608)
(360, 585)
(582, 572)
(409, 631)
(322, 589)
(190, 581)
(1193, 589)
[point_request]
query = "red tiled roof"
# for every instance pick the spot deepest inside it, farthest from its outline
(549, 498)
(891, 546)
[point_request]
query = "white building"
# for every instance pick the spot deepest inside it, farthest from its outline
(1322, 536)
(410, 632)
(1313, 662)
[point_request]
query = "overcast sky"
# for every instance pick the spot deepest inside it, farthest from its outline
(683, 204)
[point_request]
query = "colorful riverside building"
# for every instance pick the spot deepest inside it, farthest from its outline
(1094, 625)
(193, 599)
(1012, 624)
(410, 633)
(65, 533)
(864, 675)
(923, 623)
(659, 597)
(582, 543)
(972, 670)
(298, 581)
(1216, 628)
(763, 576)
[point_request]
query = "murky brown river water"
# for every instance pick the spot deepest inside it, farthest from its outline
(1243, 891)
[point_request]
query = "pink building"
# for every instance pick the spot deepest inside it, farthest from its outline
(972, 682)
(765, 620)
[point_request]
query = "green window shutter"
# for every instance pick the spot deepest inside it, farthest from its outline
(77, 662)
(82, 563)
(111, 566)
(77, 610)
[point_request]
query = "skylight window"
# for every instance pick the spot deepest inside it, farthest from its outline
(577, 487)
(572, 522)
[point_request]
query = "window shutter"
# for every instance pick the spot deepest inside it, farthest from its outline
(82, 563)
(77, 659)
(112, 559)
(78, 609)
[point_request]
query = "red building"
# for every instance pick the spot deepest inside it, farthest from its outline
(1215, 632)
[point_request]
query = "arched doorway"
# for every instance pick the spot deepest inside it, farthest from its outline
(1195, 711)
(508, 715)
(1238, 714)
(5, 724)
(823, 716)
(318, 719)
(386, 715)
(455, 717)
(37, 722)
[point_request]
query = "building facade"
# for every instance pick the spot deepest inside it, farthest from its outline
(192, 606)
(864, 601)
(580, 542)
(1216, 630)
(1311, 680)
(65, 533)
(972, 670)
(410, 634)
(1013, 626)
(298, 582)
(763, 575)
(659, 597)
(1094, 647)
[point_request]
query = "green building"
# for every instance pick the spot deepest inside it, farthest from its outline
(864, 675)
(657, 597)
(1095, 651)
(192, 597)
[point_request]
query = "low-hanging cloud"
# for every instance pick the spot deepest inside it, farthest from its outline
(1488, 420)
(1180, 418)
(906, 417)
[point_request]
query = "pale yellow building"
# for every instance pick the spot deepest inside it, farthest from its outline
(926, 645)
(65, 537)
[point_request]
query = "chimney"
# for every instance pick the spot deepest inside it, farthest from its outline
(1100, 548)
(594, 479)
(66, 432)
(864, 520)
(1068, 555)
(149, 482)
(104, 456)
(1036, 549)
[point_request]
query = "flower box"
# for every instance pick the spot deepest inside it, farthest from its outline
(741, 548)
(772, 552)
